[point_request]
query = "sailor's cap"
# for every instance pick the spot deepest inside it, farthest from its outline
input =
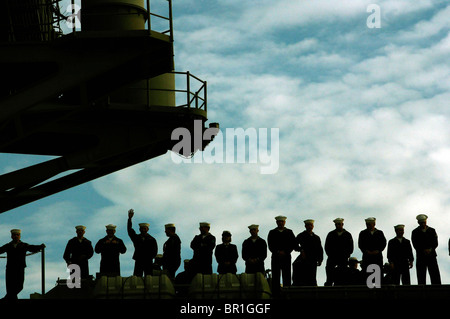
(421, 217)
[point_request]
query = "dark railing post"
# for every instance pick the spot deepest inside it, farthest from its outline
(43, 270)
(73, 17)
(188, 90)
(170, 21)
(205, 97)
(148, 17)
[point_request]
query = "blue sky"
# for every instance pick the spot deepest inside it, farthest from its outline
(363, 121)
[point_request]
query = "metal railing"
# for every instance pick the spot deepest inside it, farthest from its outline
(40, 20)
(168, 19)
(194, 99)
(194, 95)
(30, 20)
(167, 30)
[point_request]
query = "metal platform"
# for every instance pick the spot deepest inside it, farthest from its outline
(88, 99)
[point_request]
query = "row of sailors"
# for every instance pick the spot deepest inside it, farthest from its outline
(281, 242)
(340, 267)
(339, 247)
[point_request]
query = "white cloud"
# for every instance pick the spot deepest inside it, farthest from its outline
(283, 14)
(428, 28)
(395, 9)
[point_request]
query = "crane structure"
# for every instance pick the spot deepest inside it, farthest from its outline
(95, 100)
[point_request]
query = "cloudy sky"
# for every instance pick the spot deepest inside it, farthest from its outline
(357, 119)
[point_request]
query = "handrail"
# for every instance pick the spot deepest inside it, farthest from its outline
(194, 100)
(50, 28)
(193, 96)
(23, 25)
(28, 254)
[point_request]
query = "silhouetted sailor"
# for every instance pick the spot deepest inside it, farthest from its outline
(145, 247)
(400, 257)
(281, 242)
(203, 246)
(387, 278)
(79, 250)
(226, 255)
(350, 275)
(254, 251)
(110, 247)
(15, 265)
(171, 251)
(425, 242)
(183, 279)
(311, 255)
(157, 266)
(338, 247)
(372, 242)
